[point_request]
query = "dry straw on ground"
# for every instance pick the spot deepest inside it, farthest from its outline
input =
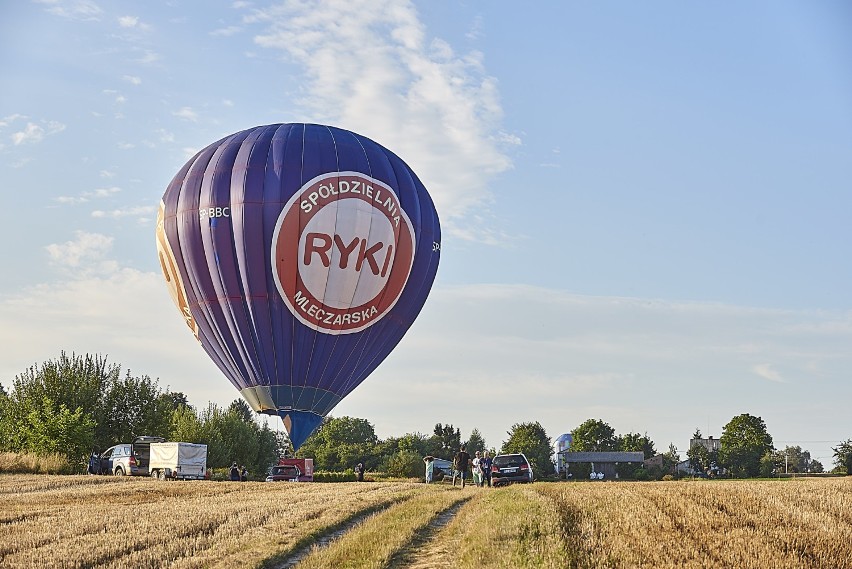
(78, 521)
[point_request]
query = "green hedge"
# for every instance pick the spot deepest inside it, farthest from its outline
(322, 476)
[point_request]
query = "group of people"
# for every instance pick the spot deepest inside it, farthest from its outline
(479, 466)
(238, 473)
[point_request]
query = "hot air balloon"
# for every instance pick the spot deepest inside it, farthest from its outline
(298, 256)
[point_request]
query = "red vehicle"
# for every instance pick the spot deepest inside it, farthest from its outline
(305, 465)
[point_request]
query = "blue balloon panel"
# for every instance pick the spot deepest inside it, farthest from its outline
(298, 255)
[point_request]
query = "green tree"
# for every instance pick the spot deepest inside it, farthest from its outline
(843, 457)
(186, 426)
(475, 442)
(743, 444)
(701, 459)
(634, 442)
(341, 443)
(405, 464)
(671, 459)
(131, 407)
(532, 440)
(593, 435)
(75, 382)
(49, 428)
(447, 441)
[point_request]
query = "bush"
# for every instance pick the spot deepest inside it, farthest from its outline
(324, 476)
(405, 464)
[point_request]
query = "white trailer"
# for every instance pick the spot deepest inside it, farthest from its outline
(185, 461)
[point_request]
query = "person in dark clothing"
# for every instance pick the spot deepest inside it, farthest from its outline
(234, 473)
(243, 474)
(359, 472)
(485, 464)
(461, 464)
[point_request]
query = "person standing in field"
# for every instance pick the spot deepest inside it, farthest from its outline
(234, 473)
(460, 465)
(243, 474)
(477, 472)
(359, 472)
(430, 468)
(485, 464)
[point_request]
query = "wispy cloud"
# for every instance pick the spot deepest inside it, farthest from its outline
(439, 110)
(34, 133)
(132, 79)
(186, 113)
(83, 10)
(766, 372)
(227, 31)
(125, 212)
(90, 195)
(148, 57)
(86, 252)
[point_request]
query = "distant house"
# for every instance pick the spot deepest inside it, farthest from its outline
(604, 462)
(711, 444)
(654, 461)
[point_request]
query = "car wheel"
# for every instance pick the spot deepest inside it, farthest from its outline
(119, 471)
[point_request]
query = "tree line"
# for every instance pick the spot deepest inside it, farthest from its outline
(342, 442)
(74, 405)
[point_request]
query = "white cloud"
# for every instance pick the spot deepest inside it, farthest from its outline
(83, 10)
(227, 31)
(88, 251)
(438, 110)
(149, 57)
(128, 21)
(125, 212)
(766, 372)
(187, 114)
(132, 79)
(8, 120)
(34, 133)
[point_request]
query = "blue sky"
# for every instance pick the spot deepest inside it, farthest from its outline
(645, 207)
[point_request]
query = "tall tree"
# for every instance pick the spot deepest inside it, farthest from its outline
(341, 443)
(532, 440)
(634, 442)
(446, 442)
(475, 442)
(843, 457)
(593, 435)
(743, 444)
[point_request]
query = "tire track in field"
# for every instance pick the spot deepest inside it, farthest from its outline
(422, 552)
(330, 534)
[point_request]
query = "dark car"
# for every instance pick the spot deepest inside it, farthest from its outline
(128, 459)
(509, 468)
(284, 473)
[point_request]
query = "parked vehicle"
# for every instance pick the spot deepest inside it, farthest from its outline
(178, 460)
(128, 459)
(284, 473)
(305, 466)
(509, 468)
(441, 469)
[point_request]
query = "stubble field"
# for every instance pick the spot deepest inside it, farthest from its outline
(77, 521)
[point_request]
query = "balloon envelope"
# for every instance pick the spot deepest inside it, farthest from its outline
(298, 255)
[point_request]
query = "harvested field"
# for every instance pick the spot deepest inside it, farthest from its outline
(76, 521)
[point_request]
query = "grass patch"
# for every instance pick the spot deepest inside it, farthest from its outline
(375, 541)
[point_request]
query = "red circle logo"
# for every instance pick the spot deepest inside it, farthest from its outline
(342, 252)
